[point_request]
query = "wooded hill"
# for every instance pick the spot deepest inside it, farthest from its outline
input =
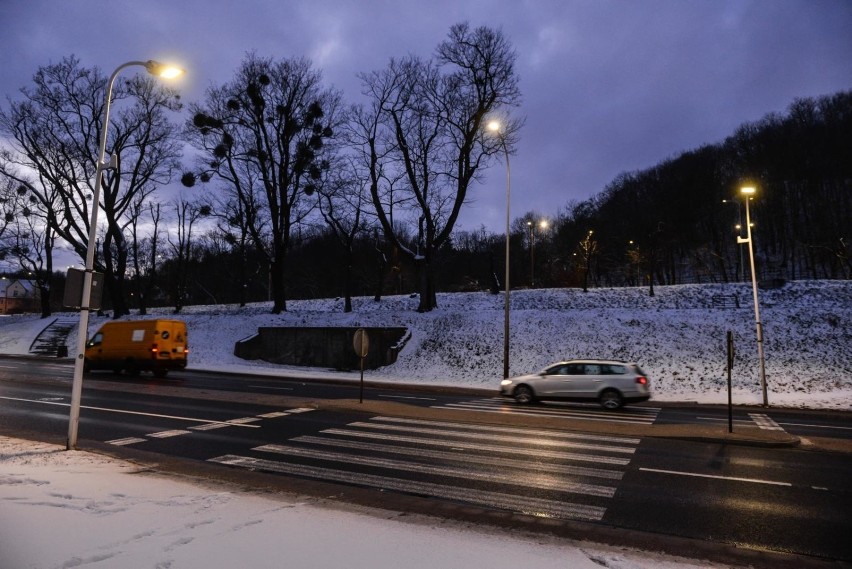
(663, 225)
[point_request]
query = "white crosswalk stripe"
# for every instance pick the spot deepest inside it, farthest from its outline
(765, 422)
(527, 505)
(544, 483)
(542, 472)
(474, 446)
(584, 412)
(450, 455)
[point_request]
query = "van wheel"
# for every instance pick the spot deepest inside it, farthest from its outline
(87, 367)
(132, 368)
(611, 399)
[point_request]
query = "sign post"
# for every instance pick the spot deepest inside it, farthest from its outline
(730, 367)
(361, 343)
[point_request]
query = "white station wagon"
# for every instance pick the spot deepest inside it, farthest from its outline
(611, 383)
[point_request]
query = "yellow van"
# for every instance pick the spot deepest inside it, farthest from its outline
(135, 345)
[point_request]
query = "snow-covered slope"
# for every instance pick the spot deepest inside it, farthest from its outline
(677, 336)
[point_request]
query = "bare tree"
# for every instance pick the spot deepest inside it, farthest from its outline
(267, 134)
(8, 205)
(424, 126)
(26, 240)
(187, 214)
(53, 135)
(341, 204)
(144, 251)
(586, 250)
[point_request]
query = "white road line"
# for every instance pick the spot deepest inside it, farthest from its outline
(520, 430)
(243, 420)
(522, 504)
(526, 465)
(168, 434)
(406, 397)
(816, 426)
(210, 426)
(744, 422)
(555, 414)
(495, 438)
(566, 406)
(125, 412)
(126, 441)
(274, 415)
(542, 482)
(479, 446)
(272, 388)
(717, 477)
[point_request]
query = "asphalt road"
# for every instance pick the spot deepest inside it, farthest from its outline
(668, 476)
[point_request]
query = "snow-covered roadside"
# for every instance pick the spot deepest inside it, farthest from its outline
(63, 509)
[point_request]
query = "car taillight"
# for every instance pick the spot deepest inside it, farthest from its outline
(154, 350)
(642, 380)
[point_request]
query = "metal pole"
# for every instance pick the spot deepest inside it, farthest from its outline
(730, 366)
(506, 308)
(83, 329)
(757, 322)
(532, 256)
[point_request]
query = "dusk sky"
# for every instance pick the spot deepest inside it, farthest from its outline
(608, 86)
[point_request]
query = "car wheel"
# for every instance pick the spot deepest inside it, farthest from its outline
(524, 395)
(611, 399)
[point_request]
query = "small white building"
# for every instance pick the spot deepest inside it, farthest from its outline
(18, 295)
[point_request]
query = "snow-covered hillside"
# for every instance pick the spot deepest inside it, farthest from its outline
(677, 336)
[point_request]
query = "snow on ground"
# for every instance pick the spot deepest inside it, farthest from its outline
(63, 509)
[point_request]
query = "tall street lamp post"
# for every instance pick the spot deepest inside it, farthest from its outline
(747, 192)
(531, 226)
(495, 127)
(532, 253)
(154, 68)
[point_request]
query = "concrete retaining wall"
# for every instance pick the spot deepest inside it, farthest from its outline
(322, 347)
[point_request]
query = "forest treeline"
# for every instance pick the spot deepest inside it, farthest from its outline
(291, 193)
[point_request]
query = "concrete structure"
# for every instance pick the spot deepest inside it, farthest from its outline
(322, 347)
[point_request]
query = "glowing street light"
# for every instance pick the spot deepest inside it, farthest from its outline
(747, 192)
(154, 68)
(495, 127)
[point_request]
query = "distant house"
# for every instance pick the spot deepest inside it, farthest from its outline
(17, 296)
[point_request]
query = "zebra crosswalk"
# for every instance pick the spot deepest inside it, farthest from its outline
(587, 412)
(541, 472)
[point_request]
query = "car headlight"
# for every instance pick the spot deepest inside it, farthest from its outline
(506, 382)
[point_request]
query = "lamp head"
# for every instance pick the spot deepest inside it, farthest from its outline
(748, 190)
(494, 126)
(163, 70)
